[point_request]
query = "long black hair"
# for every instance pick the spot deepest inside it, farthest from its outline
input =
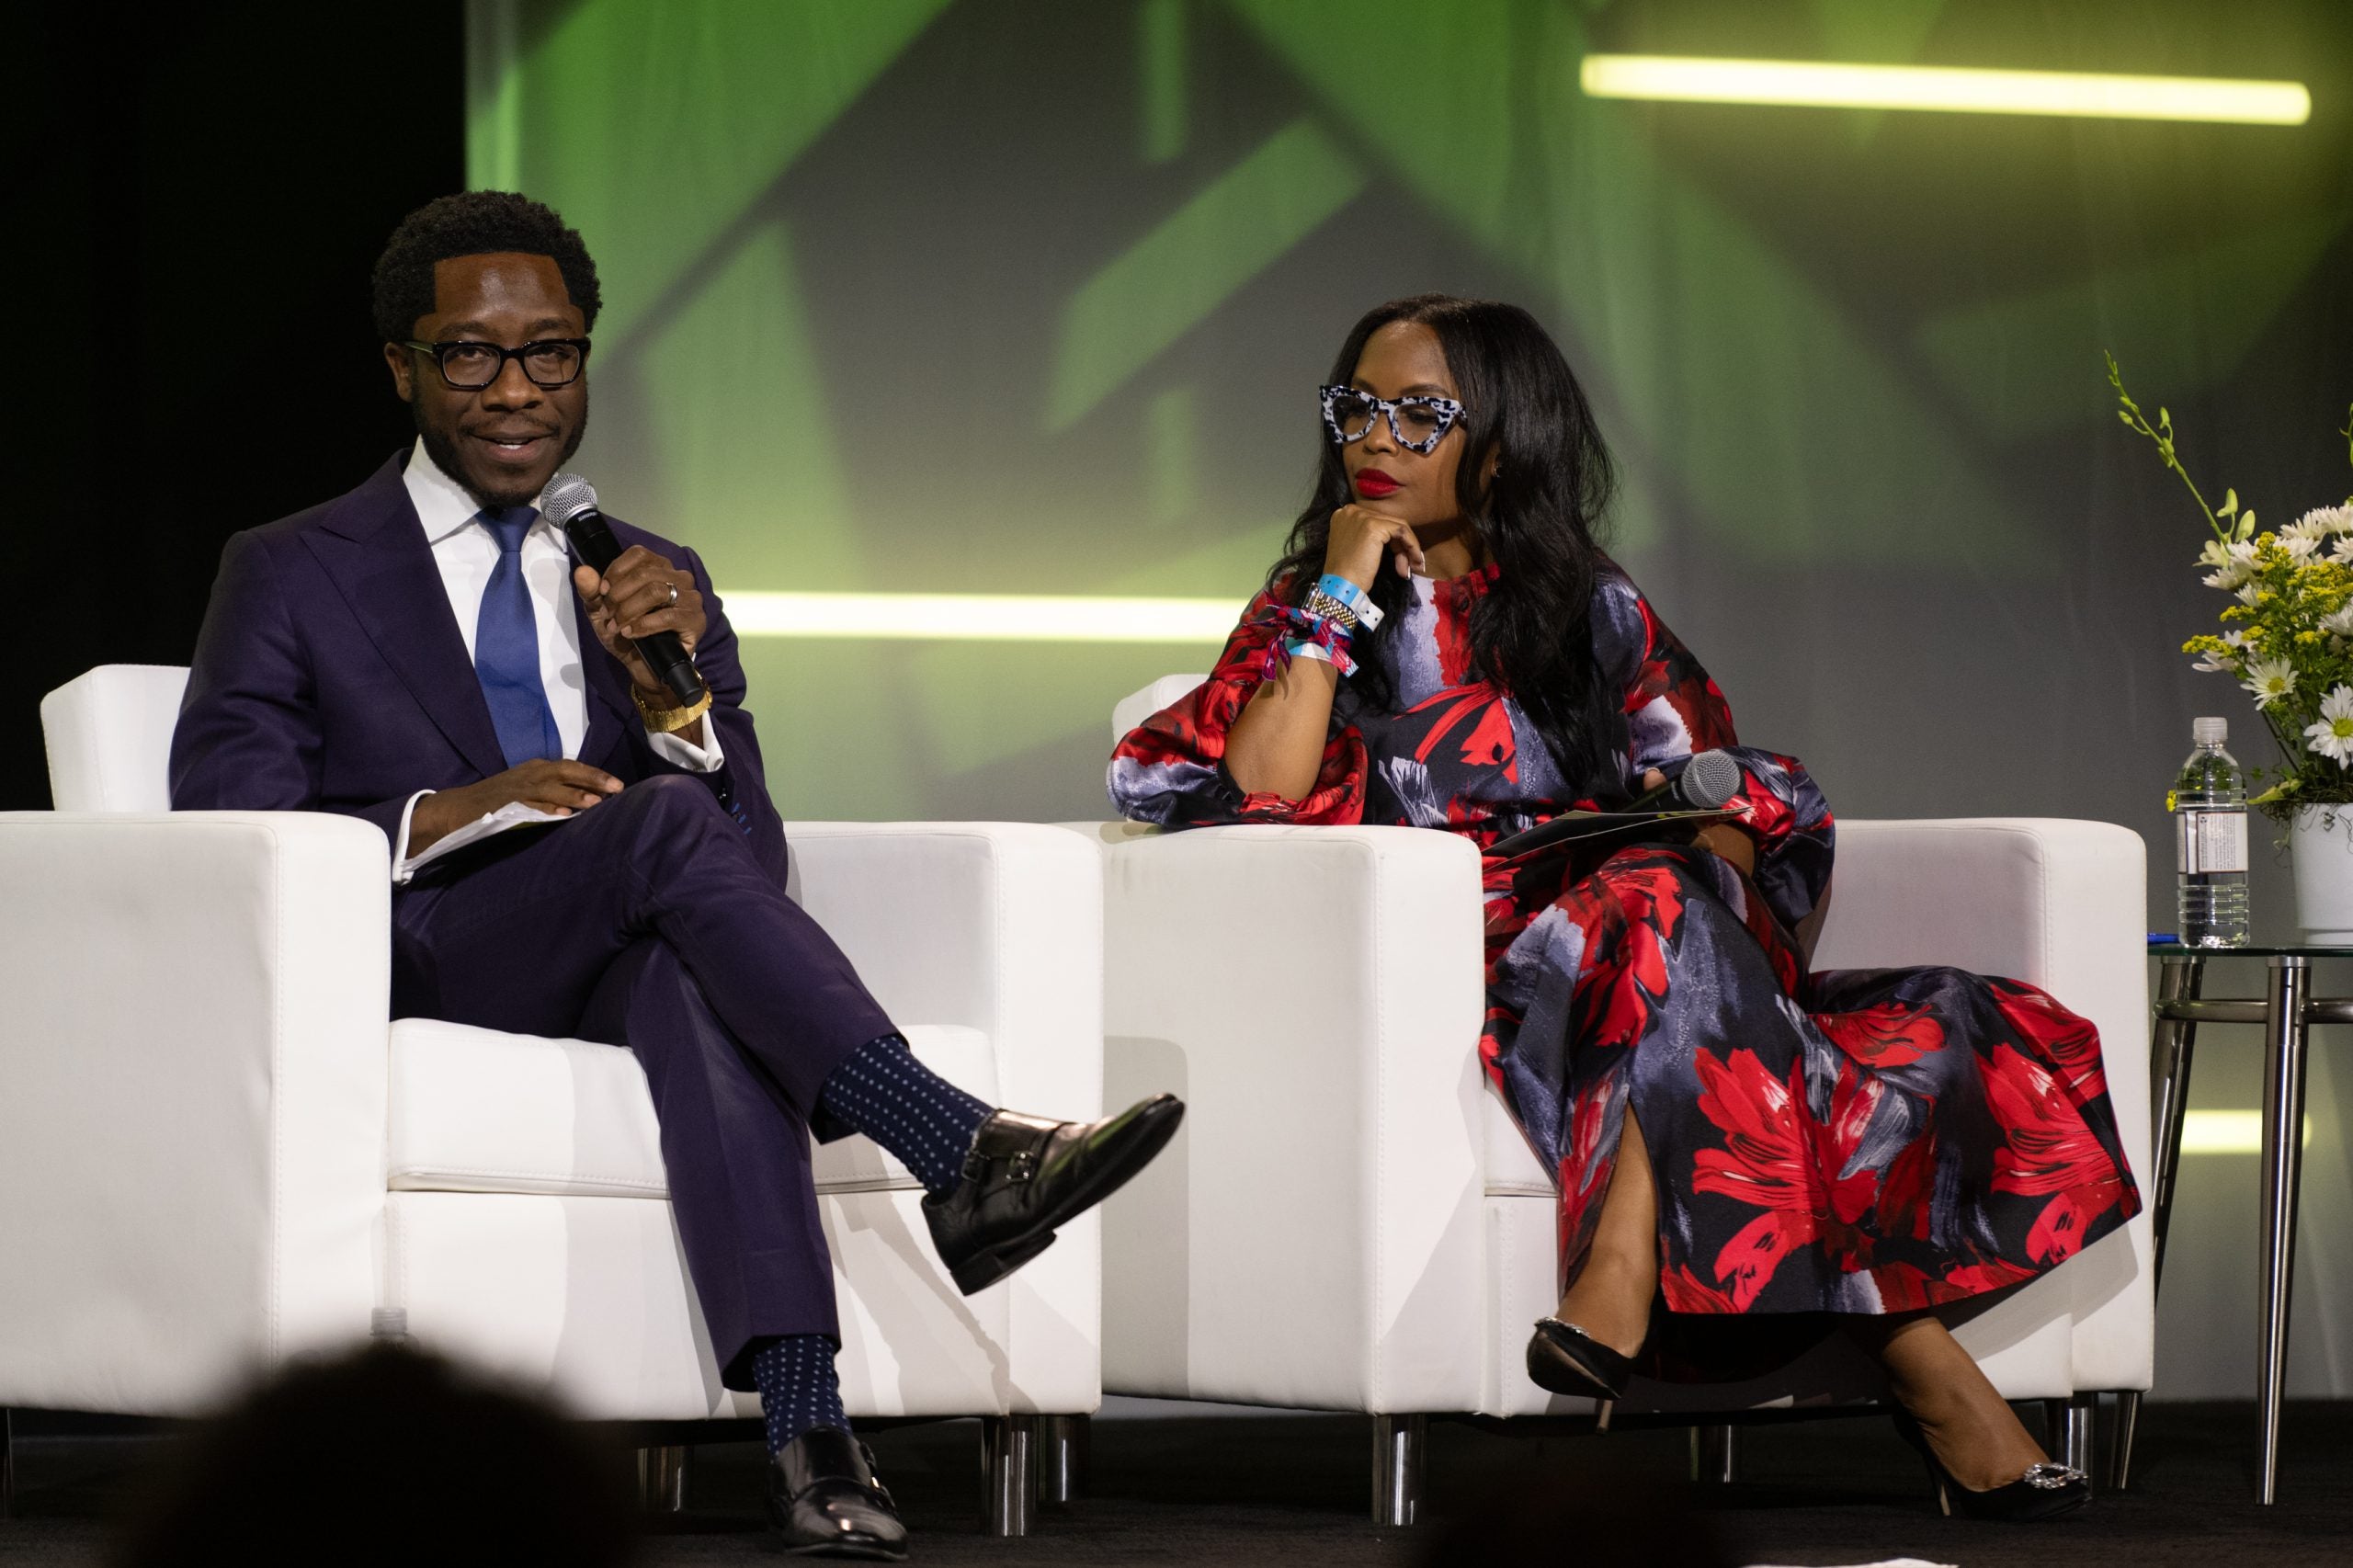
(1538, 517)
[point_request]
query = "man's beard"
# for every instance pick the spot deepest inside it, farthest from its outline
(443, 450)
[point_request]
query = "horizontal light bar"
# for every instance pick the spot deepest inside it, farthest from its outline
(2227, 1132)
(1692, 79)
(987, 617)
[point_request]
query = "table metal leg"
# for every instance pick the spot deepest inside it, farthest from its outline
(2283, 1140)
(2179, 978)
(2120, 1445)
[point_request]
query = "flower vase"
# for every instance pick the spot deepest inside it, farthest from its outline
(2322, 846)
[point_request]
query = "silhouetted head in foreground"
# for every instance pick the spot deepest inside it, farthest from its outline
(385, 1456)
(1597, 1519)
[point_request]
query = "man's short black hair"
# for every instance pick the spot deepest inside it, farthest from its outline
(473, 222)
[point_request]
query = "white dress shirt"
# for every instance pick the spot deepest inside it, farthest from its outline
(466, 553)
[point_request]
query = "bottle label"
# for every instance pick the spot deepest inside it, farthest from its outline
(2207, 842)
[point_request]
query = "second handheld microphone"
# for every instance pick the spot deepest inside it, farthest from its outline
(570, 503)
(1706, 783)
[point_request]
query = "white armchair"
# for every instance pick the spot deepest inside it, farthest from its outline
(217, 1152)
(1350, 1220)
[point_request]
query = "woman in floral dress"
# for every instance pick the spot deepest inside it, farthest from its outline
(1444, 646)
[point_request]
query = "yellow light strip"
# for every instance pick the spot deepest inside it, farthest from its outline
(2227, 1132)
(1691, 79)
(987, 617)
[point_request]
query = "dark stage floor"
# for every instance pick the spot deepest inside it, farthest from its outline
(1291, 1491)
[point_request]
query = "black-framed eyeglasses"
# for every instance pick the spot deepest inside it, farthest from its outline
(469, 366)
(1418, 423)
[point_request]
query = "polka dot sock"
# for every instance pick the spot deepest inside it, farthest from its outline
(798, 1389)
(919, 1116)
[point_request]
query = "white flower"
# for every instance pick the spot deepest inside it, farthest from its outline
(2341, 623)
(2298, 547)
(2314, 525)
(2270, 680)
(2325, 520)
(2342, 551)
(2232, 563)
(2333, 737)
(2246, 595)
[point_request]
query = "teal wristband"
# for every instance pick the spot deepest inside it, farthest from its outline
(1355, 599)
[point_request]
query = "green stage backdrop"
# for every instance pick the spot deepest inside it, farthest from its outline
(993, 297)
(1031, 298)
(918, 296)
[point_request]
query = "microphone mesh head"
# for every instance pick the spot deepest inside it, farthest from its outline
(567, 495)
(1709, 780)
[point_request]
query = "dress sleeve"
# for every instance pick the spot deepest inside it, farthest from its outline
(1171, 768)
(1673, 709)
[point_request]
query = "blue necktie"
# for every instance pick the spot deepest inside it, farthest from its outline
(507, 647)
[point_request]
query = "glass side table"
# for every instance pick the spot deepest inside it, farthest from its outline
(2286, 1013)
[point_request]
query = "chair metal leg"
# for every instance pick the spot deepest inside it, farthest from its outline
(2283, 1148)
(1714, 1457)
(7, 1464)
(2178, 980)
(662, 1479)
(1010, 1469)
(1063, 1442)
(2069, 1424)
(1399, 1443)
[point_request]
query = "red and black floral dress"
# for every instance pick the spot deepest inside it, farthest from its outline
(1840, 1142)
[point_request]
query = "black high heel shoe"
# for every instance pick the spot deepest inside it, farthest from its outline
(1564, 1358)
(2045, 1491)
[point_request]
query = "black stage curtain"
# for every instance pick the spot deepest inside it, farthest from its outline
(196, 197)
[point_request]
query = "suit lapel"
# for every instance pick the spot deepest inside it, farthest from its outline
(373, 548)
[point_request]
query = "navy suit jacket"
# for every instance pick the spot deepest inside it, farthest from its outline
(331, 675)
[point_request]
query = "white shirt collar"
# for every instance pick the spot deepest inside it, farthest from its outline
(442, 503)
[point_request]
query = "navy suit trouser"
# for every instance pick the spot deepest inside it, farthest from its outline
(647, 921)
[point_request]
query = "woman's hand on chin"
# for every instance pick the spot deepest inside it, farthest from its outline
(1361, 540)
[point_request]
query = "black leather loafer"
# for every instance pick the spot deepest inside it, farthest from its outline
(1025, 1176)
(1564, 1358)
(825, 1502)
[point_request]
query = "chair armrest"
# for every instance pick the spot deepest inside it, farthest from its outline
(192, 1101)
(2056, 903)
(2060, 904)
(995, 926)
(1312, 1238)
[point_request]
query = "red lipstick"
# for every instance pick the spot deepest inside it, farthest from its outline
(1372, 484)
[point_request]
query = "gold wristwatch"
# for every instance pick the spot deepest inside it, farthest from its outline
(669, 721)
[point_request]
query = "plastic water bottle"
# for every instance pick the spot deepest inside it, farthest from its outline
(2209, 806)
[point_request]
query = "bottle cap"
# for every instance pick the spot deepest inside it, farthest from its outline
(2210, 732)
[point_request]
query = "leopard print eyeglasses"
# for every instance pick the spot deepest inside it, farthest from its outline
(1418, 423)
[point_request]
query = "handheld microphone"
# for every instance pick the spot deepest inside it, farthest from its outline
(1707, 781)
(570, 503)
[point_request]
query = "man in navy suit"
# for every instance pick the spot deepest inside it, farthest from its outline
(423, 652)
